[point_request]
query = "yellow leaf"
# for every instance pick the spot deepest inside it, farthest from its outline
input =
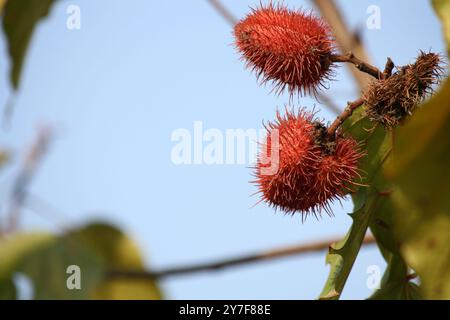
(19, 19)
(421, 180)
(13, 249)
(442, 8)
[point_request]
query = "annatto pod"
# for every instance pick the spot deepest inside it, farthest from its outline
(289, 48)
(312, 169)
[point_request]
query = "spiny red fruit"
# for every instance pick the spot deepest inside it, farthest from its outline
(313, 169)
(287, 186)
(336, 173)
(289, 48)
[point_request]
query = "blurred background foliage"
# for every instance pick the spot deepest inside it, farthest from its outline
(410, 220)
(96, 249)
(43, 257)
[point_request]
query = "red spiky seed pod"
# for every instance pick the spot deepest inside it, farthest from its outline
(336, 173)
(291, 157)
(312, 169)
(286, 47)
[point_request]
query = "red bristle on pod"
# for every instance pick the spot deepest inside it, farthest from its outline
(309, 172)
(286, 47)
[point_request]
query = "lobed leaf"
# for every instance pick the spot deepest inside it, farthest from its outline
(419, 172)
(367, 199)
(421, 194)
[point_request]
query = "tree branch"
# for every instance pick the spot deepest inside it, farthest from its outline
(25, 176)
(326, 100)
(226, 263)
(223, 11)
(388, 68)
(359, 64)
(347, 40)
(344, 116)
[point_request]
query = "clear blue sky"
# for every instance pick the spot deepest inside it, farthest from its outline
(137, 70)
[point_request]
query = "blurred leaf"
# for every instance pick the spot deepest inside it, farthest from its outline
(442, 8)
(7, 289)
(421, 193)
(422, 186)
(4, 157)
(12, 250)
(47, 266)
(95, 249)
(396, 284)
(2, 4)
(342, 255)
(19, 21)
(119, 253)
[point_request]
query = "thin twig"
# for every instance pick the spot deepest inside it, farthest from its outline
(346, 39)
(223, 11)
(326, 100)
(25, 176)
(344, 115)
(46, 210)
(226, 263)
(388, 68)
(365, 67)
(359, 64)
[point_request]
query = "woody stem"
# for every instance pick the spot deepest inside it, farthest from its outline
(359, 64)
(344, 116)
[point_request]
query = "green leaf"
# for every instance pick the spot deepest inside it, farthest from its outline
(8, 289)
(383, 226)
(396, 284)
(342, 255)
(47, 267)
(20, 18)
(386, 224)
(442, 8)
(95, 249)
(367, 199)
(421, 186)
(421, 193)
(12, 250)
(118, 252)
(2, 4)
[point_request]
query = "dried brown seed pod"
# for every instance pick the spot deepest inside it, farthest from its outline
(390, 101)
